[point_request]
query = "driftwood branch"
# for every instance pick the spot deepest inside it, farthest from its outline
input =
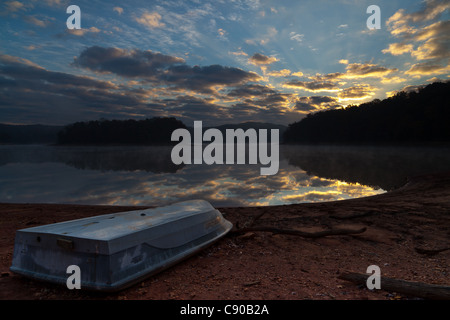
(319, 234)
(416, 289)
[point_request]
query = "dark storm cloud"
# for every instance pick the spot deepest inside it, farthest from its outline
(30, 92)
(305, 106)
(161, 69)
(204, 79)
(273, 100)
(155, 85)
(321, 99)
(251, 90)
(22, 71)
(126, 63)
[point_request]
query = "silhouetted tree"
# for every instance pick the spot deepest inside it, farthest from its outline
(407, 117)
(137, 132)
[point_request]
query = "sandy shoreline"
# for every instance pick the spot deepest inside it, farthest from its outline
(262, 265)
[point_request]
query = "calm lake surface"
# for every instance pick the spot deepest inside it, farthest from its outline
(147, 176)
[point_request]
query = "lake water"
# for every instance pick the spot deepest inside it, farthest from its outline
(147, 176)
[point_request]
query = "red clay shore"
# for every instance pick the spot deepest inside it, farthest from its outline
(268, 266)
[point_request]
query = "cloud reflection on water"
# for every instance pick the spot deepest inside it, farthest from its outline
(146, 175)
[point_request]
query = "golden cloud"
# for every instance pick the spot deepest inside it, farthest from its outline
(280, 73)
(312, 86)
(119, 10)
(397, 49)
(298, 74)
(427, 68)
(366, 70)
(151, 20)
(358, 92)
(238, 53)
(82, 32)
(424, 41)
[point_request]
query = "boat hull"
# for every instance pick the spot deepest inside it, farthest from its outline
(117, 250)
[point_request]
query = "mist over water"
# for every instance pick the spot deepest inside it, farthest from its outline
(147, 176)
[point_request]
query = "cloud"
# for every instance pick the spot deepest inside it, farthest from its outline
(32, 47)
(353, 71)
(38, 22)
(316, 103)
(83, 31)
(119, 10)
(262, 102)
(204, 79)
(22, 69)
(399, 23)
(427, 68)
(13, 6)
(357, 92)
(281, 73)
(189, 108)
(238, 53)
(297, 74)
(335, 76)
(8, 60)
(123, 62)
(161, 69)
(151, 20)
(437, 44)
(53, 3)
(424, 39)
(365, 70)
(394, 79)
(259, 59)
(313, 86)
(410, 88)
(265, 38)
(397, 49)
(431, 10)
(251, 91)
(296, 36)
(32, 93)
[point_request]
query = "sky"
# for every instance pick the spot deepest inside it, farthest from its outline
(215, 61)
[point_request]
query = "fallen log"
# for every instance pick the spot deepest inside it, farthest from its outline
(410, 288)
(319, 234)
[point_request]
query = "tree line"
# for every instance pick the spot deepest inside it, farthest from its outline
(421, 116)
(157, 130)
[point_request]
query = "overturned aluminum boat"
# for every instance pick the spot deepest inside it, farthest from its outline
(114, 251)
